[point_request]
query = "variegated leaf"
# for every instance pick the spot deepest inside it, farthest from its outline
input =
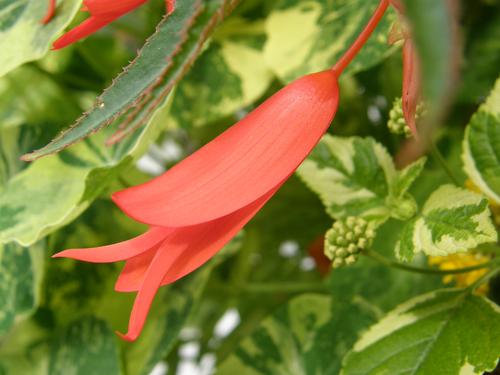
(431, 334)
(284, 341)
(327, 29)
(452, 220)
(229, 75)
(357, 177)
(23, 37)
(20, 279)
(67, 183)
(87, 346)
(481, 146)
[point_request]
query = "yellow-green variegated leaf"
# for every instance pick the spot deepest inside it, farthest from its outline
(309, 36)
(229, 75)
(284, 342)
(23, 37)
(87, 346)
(53, 191)
(481, 146)
(20, 280)
(444, 332)
(357, 177)
(452, 220)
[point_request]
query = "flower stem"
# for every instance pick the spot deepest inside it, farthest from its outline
(285, 287)
(442, 162)
(482, 280)
(391, 263)
(51, 10)
(362, 38)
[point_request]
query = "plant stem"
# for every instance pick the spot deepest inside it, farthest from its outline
(442, 162)
(391, 263)
(283, 287)
(483, 279)
(362, 38)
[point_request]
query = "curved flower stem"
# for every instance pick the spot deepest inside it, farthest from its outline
(282, 287)
(362, 38)
(442, 162)
(483, 279)
(51, 10)
(391, 263)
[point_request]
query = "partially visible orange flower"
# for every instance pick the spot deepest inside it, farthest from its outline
(410, 96)
(462, 260)
(102, 12)
(51, 11)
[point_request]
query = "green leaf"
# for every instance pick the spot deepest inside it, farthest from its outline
(25, 351)
(434, 32)
(408, 176)
(20, 280)
(229, 75)
(52, 192)
(357, 177)
(23, 38)
(326, 30)
(312, 333)
(452, 220)
(144, 84)
(443, 332)
(482, 55)
(284, 342)
(481, 146)
(87, 346)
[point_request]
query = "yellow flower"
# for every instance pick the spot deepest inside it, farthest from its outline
(462, 260)
(494, 206)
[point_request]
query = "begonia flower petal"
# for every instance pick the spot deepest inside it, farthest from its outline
(170, 4)
(107, 8)
(118, 251)
(243, 163)
(87, 27)
(201, 242)
(182, 252)
(411, 85)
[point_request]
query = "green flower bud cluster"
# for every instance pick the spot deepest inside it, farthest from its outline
(397, 123)
(346, 239)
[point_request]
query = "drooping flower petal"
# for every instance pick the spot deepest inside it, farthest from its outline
(111, 8)
(243, 163)
(411, 85)
(161, 263)
(51, 11)
(118, 251)
(87, 27)
(201, 242)
(102, 13)
(170, 4)
(182, 252)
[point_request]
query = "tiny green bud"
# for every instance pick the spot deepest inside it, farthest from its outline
(350, 259)
(337, 263)
(341, 252)
(352, 248)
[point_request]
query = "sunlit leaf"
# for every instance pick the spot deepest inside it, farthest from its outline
(20, 280)
(230, 74)
(23, 37)
(145, 83)
(452, 220)
(431, 334)
(357, 177)
(481, 146)
(327, 29)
